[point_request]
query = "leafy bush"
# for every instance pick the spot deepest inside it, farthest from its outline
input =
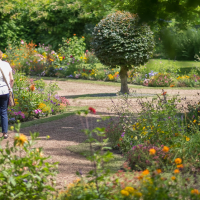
(74, 47)
(182, 45)
(139, 159)
(34, 99)
(24, 171)
(113, 132)
(119, 40)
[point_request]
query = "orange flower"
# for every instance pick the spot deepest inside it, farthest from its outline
(158, 171)
(194, 191)
(172, 85)
(164, 93)
(176, 171)
(178, 161)
(152, 151)
(140, 177)
(120, 139)
(173, 178)
(145, 172)
(32, 87)
(74, 34)
(165, 149)
(180, 166)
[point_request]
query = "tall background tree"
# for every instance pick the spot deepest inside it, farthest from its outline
(153, 12)
(120, 40)
(43, 21)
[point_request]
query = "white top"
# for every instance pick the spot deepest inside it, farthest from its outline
(6, 68)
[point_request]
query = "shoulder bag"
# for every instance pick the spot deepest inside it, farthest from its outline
(11, 102)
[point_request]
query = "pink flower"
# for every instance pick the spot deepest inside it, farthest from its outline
(22, 42)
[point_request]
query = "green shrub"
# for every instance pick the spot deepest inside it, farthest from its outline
(119, 40)
(182, 45)
(24, 170)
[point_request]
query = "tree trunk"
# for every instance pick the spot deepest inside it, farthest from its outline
(123, 76)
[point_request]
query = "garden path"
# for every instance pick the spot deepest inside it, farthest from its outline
(67, 131)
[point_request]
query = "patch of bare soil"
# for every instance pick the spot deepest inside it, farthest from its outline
(67, 131)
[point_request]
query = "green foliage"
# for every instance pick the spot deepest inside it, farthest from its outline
(74, 47)
(24, 170)
(182, 45)
(120, 40)
(49, 19)
(157, 13)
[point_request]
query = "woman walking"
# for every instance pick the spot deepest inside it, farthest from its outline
(4, 93)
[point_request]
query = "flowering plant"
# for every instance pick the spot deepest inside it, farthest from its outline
(24, 171)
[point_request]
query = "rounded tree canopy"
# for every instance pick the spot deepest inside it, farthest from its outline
(120, 40)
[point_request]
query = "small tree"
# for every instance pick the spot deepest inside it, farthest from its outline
(119, 40)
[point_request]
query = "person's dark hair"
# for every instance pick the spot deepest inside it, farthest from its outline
(1, 54)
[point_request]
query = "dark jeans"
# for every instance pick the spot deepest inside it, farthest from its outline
(3, 112)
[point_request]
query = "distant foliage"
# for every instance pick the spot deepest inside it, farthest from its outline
(181, 45)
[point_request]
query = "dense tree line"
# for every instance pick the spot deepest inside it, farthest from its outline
(43, 21)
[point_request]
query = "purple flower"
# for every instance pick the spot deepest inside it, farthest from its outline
(123, 134)
(52, 110)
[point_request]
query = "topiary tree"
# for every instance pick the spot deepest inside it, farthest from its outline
(119, 40)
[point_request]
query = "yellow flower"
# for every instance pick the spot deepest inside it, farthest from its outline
(178, 161)
(20, 139)
(176, 171)
(187, 139)
(131, 136)
(124, 193)
(145, 172)
(139, 194)
(165, 149)
(152, 151)
(194, 121)
(110, 76)
(173, 178)
(12, 128)
(194, 191)
(130, 190)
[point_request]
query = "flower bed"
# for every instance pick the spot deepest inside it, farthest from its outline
(34, 99)
(72, 61)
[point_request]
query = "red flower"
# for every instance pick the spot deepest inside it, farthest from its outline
(71, 56)
(84, 70)
(118, 145)
(164, 93)
(63, 57)
(92, 110)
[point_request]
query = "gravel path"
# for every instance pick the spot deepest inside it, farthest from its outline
(67, 131)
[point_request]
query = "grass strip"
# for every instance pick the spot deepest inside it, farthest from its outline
(113, 165)
(114, 84)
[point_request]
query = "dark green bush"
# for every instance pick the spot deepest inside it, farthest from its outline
(182, 45)
(120, 40)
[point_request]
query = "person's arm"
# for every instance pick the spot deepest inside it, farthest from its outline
(11, 79)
